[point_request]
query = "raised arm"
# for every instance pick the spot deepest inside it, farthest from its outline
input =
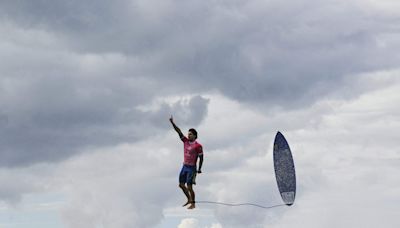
(176, 127)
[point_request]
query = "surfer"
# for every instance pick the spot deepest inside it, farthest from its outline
(192, 151)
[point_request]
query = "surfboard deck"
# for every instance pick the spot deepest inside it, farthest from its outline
(284, 169)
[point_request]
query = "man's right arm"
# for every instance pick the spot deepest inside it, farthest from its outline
(176, 128)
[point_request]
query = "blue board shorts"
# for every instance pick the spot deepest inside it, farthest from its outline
(188, 174)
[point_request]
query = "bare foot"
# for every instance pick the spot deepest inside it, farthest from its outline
(192, 206)
(187, 203)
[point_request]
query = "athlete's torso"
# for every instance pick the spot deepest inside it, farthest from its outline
(191, 150)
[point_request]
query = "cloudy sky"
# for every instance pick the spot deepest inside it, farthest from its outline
(87, 87)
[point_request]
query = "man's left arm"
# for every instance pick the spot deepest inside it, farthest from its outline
(201, 156)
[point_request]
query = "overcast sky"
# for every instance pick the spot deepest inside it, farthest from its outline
(87, 87)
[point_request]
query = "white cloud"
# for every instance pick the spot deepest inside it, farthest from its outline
(189, 223)
(338, 145)
(216, 225)
(126, 186)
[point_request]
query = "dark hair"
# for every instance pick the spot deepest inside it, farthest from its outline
(193, 132)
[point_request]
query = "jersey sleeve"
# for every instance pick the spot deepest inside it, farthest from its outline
(184, 139)
(200, 150)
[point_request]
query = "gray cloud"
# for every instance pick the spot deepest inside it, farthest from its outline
(55, 114)
(251, 51)
(16, 183)
(53, 127)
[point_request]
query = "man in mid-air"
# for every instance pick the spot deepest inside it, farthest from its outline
(192, 151)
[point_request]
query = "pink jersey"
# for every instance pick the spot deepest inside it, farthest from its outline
(191, 150)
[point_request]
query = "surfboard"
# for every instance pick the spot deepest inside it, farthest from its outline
(284, 169)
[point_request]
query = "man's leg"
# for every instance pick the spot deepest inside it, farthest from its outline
(192, 196)
(182, 180)
(187, 194)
